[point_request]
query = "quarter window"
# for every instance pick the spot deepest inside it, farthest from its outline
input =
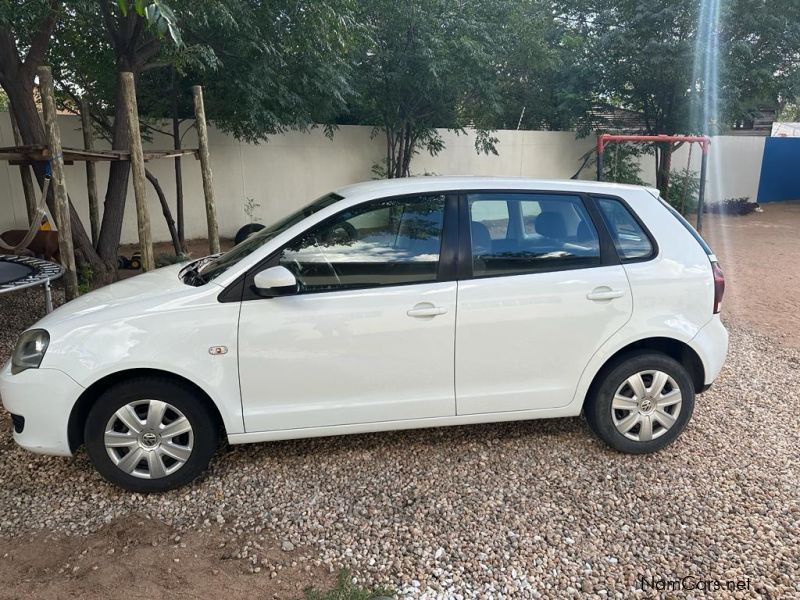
(540, 232)
(629, 238)
(387, 242)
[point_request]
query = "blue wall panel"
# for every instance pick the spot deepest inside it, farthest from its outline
(780, 170)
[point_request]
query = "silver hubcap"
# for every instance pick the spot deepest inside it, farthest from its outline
(646, 405)
(149, 439)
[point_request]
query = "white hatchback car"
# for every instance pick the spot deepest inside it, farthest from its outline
(386, 305)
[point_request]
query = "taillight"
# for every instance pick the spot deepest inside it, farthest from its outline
(719, 286)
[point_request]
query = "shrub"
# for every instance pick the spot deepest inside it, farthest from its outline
(621, 164)
(732, 206)
(684, 184)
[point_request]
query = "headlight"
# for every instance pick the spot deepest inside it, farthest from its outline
(30, 350)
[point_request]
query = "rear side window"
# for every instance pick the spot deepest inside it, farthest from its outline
(517, 233)
(629, 238)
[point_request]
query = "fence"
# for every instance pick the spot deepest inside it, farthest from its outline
(291, 169)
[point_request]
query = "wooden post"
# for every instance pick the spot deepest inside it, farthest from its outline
(58, 184)
(205, 168)
(25, 173)
(91, 172)
(137, 171)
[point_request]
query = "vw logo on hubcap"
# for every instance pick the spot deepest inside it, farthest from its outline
(149, 439)
(646, 405)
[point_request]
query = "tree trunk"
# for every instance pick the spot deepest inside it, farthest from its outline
(25, 176)
(117, 190)
(176, 138)
(91, 172)
(664, 164)
(176, 243)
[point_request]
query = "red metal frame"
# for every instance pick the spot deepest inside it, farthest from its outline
(604, 138)
(703, 140)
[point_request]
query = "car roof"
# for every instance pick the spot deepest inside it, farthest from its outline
(412, 185)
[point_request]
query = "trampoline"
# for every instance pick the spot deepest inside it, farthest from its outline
(19, 272)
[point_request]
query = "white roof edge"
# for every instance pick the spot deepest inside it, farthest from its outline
(433, 183)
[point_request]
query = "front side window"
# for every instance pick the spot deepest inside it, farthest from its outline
(215, 266)
(385, 242)
(544, 232)
(629, 238)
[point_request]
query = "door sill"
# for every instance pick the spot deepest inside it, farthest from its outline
(571, 410)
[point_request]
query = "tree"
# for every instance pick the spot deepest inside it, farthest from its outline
(423, 64)
(762, 56)
(26, 30)
(266, 66)
(542, 83)
(650, 56)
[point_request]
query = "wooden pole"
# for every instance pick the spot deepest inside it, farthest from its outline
(205, 168)
(137, 171)
(58, 183)
(91, 173)
(25, 173)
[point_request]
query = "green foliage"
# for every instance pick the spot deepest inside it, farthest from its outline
(761, 66)
(642, 55)
(158, 15)
(422, 65)
(250, 207)
(683, 190)
(621, 163)
(265, 66)
(346, 590)
(542, 78)
(281, 64)
(85, 278)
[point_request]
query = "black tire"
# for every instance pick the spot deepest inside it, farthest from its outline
(598, 407)
(205, 431)
(246, 231)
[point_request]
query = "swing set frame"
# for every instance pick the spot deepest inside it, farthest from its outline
(703, 140)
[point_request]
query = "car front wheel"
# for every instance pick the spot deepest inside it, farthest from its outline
(642, 403)
(150, 434)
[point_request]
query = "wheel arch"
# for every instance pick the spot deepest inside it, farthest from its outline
(87, 399)
(680, 351)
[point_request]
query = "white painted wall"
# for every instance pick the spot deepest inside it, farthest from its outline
(290, 170)
(734, 166)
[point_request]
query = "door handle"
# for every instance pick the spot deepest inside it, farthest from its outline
(426, 309)
(604, 293)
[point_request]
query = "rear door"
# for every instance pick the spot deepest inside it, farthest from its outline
(542, 291)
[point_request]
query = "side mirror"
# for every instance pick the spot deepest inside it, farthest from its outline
(275, 281)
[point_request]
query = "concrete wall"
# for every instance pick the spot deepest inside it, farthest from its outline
(734, 166)
(290, 170)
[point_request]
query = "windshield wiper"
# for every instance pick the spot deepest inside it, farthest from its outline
(191, 275)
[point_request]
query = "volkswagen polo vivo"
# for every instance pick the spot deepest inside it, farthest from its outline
(386, 305)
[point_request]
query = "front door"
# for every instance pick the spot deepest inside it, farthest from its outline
(369, 336)
(539, 304)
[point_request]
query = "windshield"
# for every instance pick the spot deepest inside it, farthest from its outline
(207, 269)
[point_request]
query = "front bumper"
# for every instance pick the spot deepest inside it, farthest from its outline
(44, 399)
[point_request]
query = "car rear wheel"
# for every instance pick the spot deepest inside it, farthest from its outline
(642, 403)
(150, 434)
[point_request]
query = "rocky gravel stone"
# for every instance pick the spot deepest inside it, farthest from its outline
(536, 509)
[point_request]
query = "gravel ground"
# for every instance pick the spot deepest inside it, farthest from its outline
(534, 509)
